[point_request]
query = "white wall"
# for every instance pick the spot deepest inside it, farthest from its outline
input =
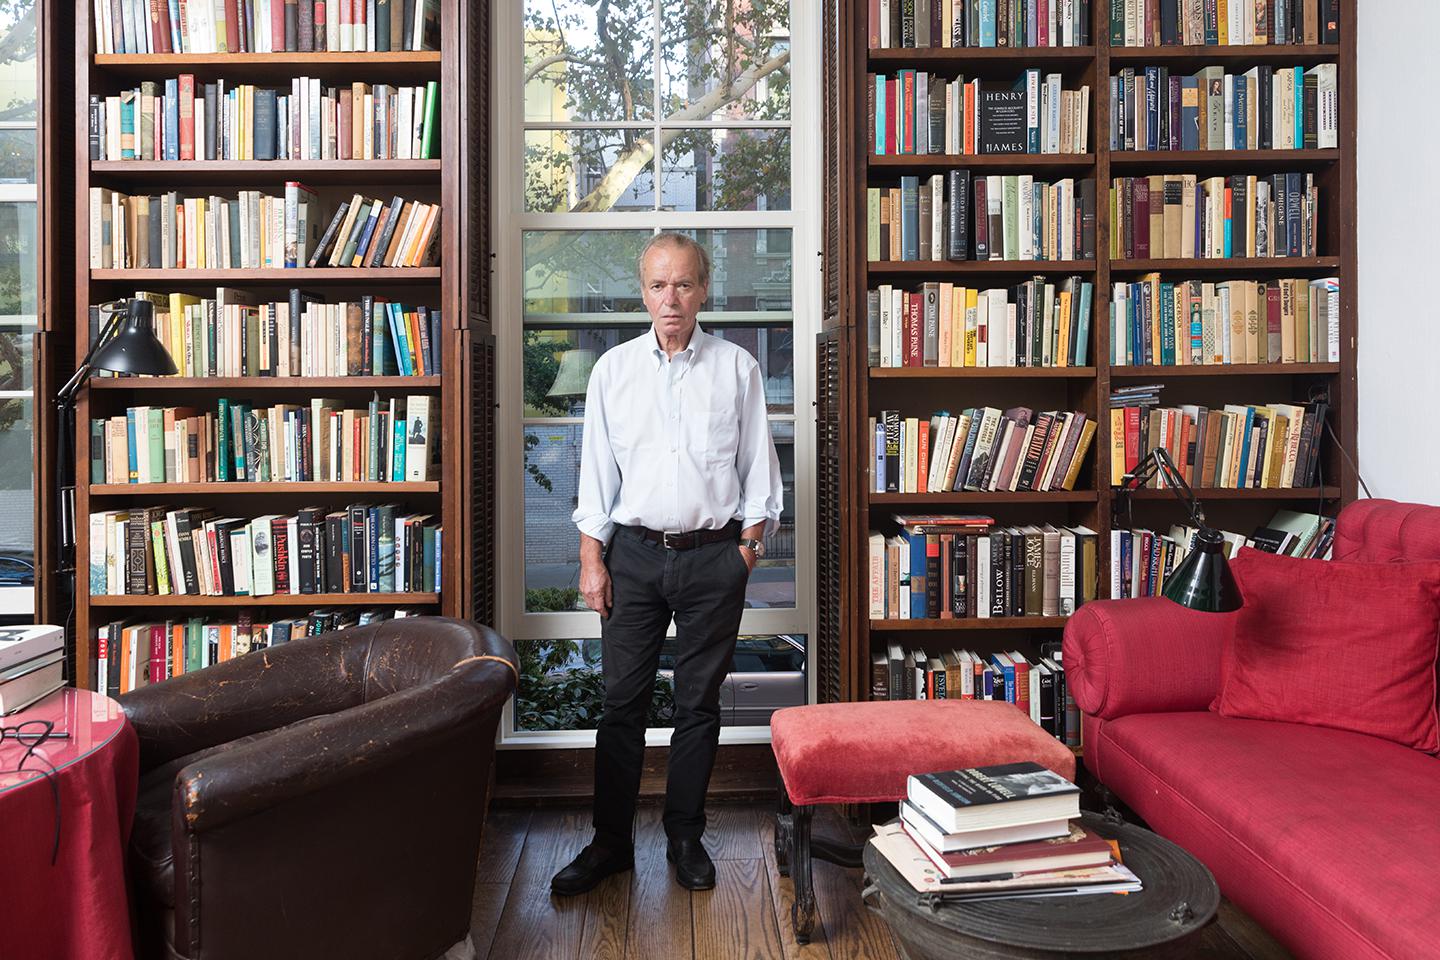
(1399, 249)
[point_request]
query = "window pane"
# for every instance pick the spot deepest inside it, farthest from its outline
(588, 171)
(17, 511)
(558, 360)
(588, 61)
(17, 154)
(19, 265)
(726, 59)
(17, 342)
(552, 545)
(751, 269)
(726, 170)
(561, 685)
(582, 271)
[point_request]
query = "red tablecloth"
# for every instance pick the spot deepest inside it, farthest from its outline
(77, 908)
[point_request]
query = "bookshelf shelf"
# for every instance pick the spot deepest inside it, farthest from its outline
(1229, 265)
(982, 373)
(934, 162)
(271, 600)
(181, 172)
(1226, 369)
(971, 623)
(304, 384)
(851, 392)
(459, 493)
(960, 268)
(975, 497)
(272, 276)
(231, 487)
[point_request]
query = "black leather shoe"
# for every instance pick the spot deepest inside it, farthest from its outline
(693, 869)
(585, 872)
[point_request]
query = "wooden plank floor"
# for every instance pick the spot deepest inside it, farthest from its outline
(645, 916)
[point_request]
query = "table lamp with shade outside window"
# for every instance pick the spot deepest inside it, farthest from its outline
(127, 344)
(1203, 580)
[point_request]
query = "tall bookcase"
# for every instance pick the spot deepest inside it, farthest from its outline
(850, 392)
(462, 495)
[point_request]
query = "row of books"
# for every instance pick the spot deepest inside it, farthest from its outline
(921, 113)
(265, 26)
(1264, 108)
(370, 232)
(1154, 23)
(1037, 323)
(1241, 446)
(1182, 216)
(32, 665)
(130, 654)
(998, 217)
(981, 448)
(388, 441)
(894, 24)
(957, 568)
(248, 122)
(1000, 832)
(365, 548)
(237, 334)
(1203, 322)
(1141, 561)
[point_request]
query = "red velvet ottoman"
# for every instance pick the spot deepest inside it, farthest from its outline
(862, 753)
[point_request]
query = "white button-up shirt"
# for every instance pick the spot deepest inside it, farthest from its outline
(676, 444)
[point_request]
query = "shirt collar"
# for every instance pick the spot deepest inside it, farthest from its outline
(697, 343)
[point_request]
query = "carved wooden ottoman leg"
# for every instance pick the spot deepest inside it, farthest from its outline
(802, 911)
(782, 831)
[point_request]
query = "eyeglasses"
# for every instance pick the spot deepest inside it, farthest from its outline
(31, 734)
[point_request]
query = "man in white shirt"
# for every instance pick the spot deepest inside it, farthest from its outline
(679, 482)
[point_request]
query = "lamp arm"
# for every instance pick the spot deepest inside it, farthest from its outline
(66, 394)
(1158, 461)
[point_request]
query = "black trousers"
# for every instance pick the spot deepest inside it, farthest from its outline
(703, 589)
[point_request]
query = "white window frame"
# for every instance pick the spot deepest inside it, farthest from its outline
(510, 221)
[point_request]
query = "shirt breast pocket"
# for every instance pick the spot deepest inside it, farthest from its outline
(720, 440)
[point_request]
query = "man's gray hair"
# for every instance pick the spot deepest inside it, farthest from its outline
(673, 239)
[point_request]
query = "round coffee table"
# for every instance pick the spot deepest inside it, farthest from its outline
(1180, 897)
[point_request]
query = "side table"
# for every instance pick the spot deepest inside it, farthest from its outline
(1179, 899)
(78, 907)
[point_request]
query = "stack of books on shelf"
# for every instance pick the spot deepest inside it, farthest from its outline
(1154, 23)
(1037, 323)
(32, 665)
(1012, 218)
(264, 26)
(962, 567)
(238, 334)
(1264, 108)
(978, 23)
(1036, 687)
(1180, 216)
(1199, 322)
(388, 441)
(920, 113)
(1242, 446)
(181, 120)
(364, 548)
(988, 833)
(132, 653)
(981, 448)
(1142, 560)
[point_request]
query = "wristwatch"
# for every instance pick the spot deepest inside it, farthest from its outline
(756, 547)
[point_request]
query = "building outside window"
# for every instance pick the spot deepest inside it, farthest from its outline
(617, 119)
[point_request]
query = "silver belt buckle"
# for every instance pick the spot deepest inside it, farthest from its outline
(665, 538)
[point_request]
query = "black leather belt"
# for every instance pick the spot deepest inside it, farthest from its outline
(690, 540)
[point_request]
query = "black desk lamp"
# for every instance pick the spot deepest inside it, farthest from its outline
(1203, 580)
(127, 344)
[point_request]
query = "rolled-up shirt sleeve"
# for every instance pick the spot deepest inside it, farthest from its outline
(599, 473)
(762, 492)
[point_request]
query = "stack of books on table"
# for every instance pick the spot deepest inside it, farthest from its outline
(32, 665)
(998, 832)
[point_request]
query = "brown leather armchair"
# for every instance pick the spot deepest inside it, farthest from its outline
(321, 798)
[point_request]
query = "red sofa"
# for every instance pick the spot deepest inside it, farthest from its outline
(1330, 839)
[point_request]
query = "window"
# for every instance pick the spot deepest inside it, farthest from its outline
(617, 120)
(19, 299)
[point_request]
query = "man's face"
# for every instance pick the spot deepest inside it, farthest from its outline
(671, 289)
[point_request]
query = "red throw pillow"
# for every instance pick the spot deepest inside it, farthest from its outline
(1336, 644)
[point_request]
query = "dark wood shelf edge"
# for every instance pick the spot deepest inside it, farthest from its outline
(981, 373)
(971, 623)
(267, 383)
(271, 600)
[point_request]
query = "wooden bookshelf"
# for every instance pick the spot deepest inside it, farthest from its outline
(850, 392)
(462, 495)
